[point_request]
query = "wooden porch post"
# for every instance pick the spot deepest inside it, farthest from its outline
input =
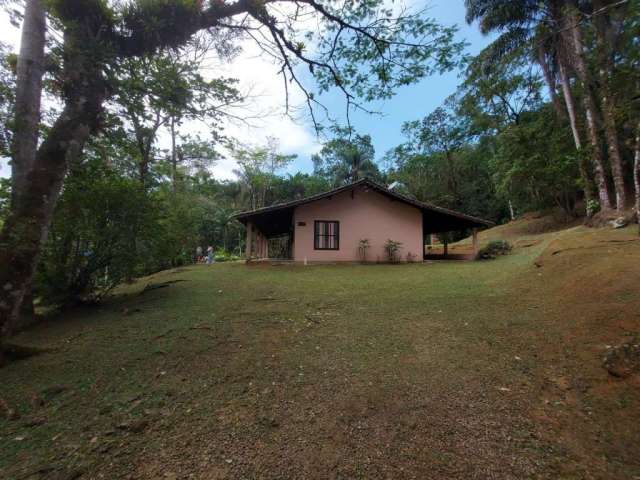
(248, 246)
(476, 246)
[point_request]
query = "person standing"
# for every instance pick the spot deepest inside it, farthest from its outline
(209, 255)
(198, 254)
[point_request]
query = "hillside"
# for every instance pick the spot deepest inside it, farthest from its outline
(439, 370)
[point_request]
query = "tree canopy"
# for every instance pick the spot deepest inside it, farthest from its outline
(545, 117)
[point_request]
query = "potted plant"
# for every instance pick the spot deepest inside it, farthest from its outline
(363, 246)
(392, 248)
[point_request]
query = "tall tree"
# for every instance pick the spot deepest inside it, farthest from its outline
(585, 171)
(441, 132)
(346, 158)
(390, 49)
(551, 81)
(576, 51)
(7, 100)
(157, 92)
(552, 25)
(257, 167)
(30, 71)
(607, 34)
(26, 125)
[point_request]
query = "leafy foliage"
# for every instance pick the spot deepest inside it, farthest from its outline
(163, 91)
(105, 230)
(346, 159)
(535, 164)
(7, 89)
(363, 247)
(389, 36)
(392, 250)
(494, 249)
(257, 168)
(5, 198)
(439, 164)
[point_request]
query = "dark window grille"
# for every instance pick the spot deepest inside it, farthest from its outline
(327, 235)
(280, 247)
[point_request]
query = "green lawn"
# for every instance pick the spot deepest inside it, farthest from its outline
(438, 370)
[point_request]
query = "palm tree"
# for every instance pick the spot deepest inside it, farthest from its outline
(554, 34)
(345, 159)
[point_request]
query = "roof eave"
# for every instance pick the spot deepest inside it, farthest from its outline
(244, 216)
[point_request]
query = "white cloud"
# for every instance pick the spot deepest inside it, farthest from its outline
(264, 111)
(258, 76)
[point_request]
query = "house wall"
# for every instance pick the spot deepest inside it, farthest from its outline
(368, 214)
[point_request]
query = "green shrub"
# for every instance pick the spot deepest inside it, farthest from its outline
(363, 246)
(224, 256)
(104, 231)
(494, 248)
(593, 207)
(392, 249)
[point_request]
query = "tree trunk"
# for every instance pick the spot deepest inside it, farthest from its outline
(636, 174)
(30, 70)
(605, 60)
(28, 93)
(451, 178)
(590, 108)
(583, 164)
(569, 103)
(611, 134)
(550, 81)
(27, 224)
(27, 310)
(145, 137)
(174, 157)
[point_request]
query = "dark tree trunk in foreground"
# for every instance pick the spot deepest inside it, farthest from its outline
(30, 70)
(26, 227)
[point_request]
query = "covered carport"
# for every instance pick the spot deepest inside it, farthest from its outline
(269, 226)
(438, 220)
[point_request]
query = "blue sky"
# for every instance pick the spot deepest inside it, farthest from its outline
(259, 76)
(411, 102)
(416, 101)
(298, 137)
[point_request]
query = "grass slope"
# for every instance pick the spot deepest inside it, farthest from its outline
(442, 370)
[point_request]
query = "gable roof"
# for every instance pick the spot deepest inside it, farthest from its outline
(456, 218)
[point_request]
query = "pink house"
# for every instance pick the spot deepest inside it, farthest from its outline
(334, 226)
